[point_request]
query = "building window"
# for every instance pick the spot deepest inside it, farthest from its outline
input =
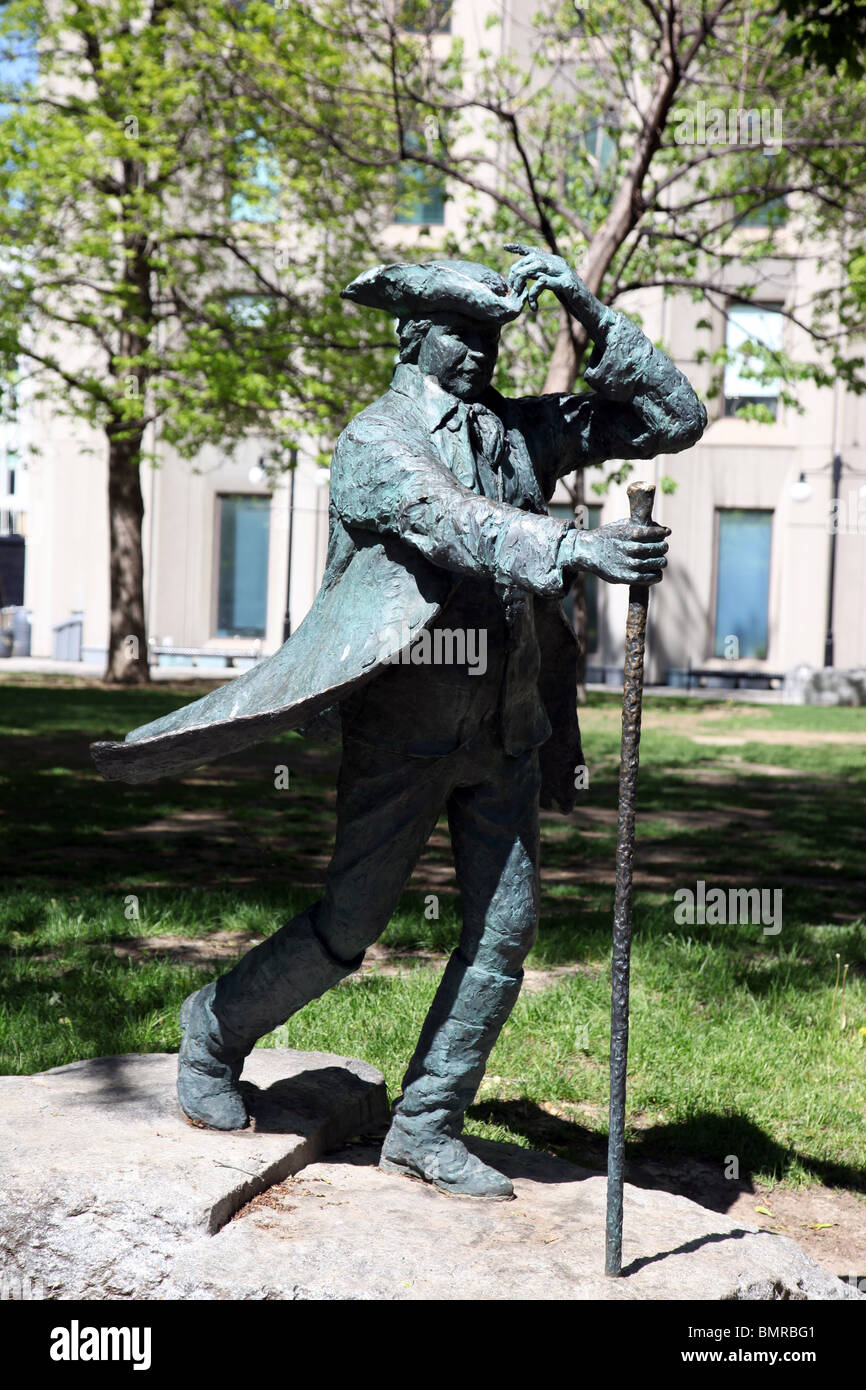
(590, 581)
(590, 158)
(601, 144)
(425, 16)
(772, 213)
(420, 193)
(751, 323)
(242, 570)
(249, 310)
(256, 182)
(742, 583)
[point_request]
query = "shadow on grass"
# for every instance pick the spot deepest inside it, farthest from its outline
(227, 823)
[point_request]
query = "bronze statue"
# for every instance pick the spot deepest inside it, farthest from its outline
(438, 526)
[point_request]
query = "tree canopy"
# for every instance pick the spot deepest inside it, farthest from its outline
(185, 187)
(164, 253)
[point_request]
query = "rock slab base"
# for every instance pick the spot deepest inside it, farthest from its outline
(108, 1193)
(104, 1180)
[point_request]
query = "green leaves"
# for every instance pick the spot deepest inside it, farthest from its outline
(140, 179)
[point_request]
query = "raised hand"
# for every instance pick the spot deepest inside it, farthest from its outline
(554, 273)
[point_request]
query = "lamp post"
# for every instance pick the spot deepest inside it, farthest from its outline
(831, 582)
(801, 491)
(287, 620)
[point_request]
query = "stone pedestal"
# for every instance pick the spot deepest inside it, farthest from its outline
(104, 1180)
(108, 1193)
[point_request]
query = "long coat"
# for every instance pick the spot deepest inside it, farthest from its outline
(406, 523)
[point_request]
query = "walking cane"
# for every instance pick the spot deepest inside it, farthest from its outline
(640, 496)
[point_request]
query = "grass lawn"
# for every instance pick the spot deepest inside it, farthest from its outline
(117, 901)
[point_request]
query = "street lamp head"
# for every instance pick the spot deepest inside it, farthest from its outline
(801, 491)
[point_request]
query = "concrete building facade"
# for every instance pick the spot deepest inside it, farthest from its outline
(233, 550)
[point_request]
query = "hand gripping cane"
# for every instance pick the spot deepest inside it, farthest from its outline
(640, 496)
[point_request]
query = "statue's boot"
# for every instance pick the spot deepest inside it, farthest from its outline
(222, 1022)
(464, 1021)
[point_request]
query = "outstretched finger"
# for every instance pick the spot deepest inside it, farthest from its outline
(518, 248)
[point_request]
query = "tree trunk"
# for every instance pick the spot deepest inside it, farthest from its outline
(572, 339)
(571, 343)
(578, 591)
(127, 643)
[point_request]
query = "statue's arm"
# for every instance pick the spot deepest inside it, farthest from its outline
(385, 479)
(640, 404)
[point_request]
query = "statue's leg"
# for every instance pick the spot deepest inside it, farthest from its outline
(386, 808)
(494, 833)
(222, 1022)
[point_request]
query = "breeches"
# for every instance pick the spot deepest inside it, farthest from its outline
(387, 806)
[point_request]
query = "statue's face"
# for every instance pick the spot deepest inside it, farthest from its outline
(461, 353)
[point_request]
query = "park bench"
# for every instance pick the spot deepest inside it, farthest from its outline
(201, 657)
(703, 677)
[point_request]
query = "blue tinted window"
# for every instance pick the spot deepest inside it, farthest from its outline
(420, 188)
(743, 583)
(770, 214)
(242, 594)
(256, 195)
(421, 198)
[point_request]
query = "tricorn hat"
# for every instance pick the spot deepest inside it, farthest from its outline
(436, 287)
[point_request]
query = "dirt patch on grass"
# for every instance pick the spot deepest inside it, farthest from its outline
(221, 947)
(800, 738)
(731, 768)
(216, 949)
(391, 961)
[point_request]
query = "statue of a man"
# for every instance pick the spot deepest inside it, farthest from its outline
(438, 525)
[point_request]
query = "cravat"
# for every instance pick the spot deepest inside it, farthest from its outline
(523, 722)
(488, 439)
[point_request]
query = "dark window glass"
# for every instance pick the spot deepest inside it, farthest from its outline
(242, 593)
(770, 214)
(425, 16)
(420, 188)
